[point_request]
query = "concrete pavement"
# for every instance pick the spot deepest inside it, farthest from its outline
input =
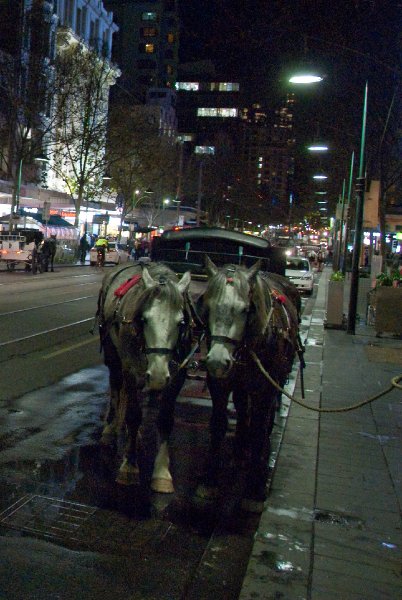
(331, 528)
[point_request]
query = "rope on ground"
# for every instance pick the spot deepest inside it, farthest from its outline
(394, 384)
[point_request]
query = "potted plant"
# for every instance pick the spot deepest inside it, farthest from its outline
(335, 301)
(388, 303)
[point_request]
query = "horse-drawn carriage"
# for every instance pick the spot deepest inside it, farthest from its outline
(186, 250)
(151, 322)
(14, 250)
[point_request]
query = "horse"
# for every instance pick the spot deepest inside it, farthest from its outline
(247, 315)
(145, 331)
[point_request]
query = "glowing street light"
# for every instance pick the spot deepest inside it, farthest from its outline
(319, 177)
(306, 78)
(317, 148)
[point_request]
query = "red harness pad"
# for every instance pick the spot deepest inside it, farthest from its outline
(279, 297)
(124, 287)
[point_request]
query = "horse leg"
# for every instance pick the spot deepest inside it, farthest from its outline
(130, 411)
(262, 417)
(241, 441)
(113, 362)
(162, 481)
(218, 427)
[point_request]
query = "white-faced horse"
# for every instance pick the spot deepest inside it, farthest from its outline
(145, 334)
(246, 311)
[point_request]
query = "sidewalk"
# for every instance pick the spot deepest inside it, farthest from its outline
(331, 528)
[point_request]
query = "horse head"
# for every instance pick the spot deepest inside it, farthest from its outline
(162, 316)
(227, 303)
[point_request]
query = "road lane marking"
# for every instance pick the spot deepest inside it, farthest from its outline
(68, 348)
(20, 310)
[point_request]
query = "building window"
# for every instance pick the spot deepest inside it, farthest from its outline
(223, 86)
(78, 22)
(187, 86)
(217, 112)
(170, 38)
(149, 48)
(204, 150)
(68, 13)
(149, 32)
(149, 16)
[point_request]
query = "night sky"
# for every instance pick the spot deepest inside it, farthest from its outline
(256, 42)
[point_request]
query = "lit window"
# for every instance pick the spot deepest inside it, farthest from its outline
(149, 16)
(223, 86)
(149, 48)
(187, 86)
(149, 32)
(217, 112)
(185, 137)
(170, 38)
(169, 69)
(204, 150)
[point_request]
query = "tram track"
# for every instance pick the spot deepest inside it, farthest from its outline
(39, 313)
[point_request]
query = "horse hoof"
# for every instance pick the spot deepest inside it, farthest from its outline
(252, 506)
(128, 474)
(162, 486)
(206, 492)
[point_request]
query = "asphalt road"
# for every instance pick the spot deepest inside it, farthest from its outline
(53, 395)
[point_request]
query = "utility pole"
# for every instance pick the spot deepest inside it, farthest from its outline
(360, 188)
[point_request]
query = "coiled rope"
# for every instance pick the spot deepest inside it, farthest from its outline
(394, 384)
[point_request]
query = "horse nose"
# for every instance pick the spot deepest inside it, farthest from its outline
(218, 367)
(156, 383)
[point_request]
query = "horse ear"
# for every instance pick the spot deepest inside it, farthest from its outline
(184, 282)
(210, 267)
(253, 271)
(147, 279)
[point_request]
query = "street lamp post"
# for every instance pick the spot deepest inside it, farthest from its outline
(360, 187)
(346, 234)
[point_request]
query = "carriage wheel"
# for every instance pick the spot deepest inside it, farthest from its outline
(10, 266)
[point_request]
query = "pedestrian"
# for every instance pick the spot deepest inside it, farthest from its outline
(83, 248)
(320, 260)
(366, 257)
(53, 248)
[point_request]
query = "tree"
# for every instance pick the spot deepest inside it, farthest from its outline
(82, 83)
(25, 102)
(142, 161)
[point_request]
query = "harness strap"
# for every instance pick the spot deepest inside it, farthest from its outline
(163, 351)
(224, 339)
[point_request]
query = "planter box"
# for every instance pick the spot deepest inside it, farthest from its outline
(335, 305)
(388, 310)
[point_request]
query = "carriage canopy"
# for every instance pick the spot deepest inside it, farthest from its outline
(186, 250)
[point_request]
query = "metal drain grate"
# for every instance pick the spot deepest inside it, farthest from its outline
(47, 517)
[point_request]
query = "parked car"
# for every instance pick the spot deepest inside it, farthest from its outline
(115, 255)
(300, 272)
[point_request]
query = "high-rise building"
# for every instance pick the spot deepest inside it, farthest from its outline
(146, 47)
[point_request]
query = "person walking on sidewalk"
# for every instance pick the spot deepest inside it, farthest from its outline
(83, 248)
